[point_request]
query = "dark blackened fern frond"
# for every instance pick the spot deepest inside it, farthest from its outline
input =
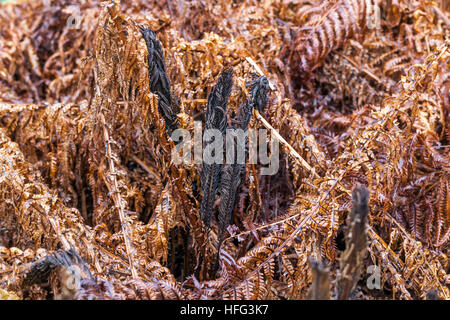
(216, 118)
(63, 270)
(432, 295)
(159, 81)
(258, 90)
(230, 181)
(40, 271)
(351, 262)
(218, 100)
(232, 174)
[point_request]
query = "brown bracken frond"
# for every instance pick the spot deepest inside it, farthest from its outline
(345, 18)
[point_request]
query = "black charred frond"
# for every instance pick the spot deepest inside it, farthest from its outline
(159, 81)
(216, 118)
(352, 259)
(259, 89)
(245, 114)
(232, 175)
(216, 107)
(40, 271)
(432, 295)
(230, 182)
(320, 286)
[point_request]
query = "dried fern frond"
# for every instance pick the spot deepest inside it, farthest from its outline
(259, 93)
(216, 118)
(130, 290)
(159, 81)
(33, 216)
(163, 220)
(232, 174)
(63, 269)
(343, 20)
(40, 271)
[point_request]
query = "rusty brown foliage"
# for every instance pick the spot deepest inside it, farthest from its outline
(93, 207)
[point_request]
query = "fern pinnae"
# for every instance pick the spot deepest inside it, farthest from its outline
(259, 89)
(159, 81)
(216, 118)
(231, 176)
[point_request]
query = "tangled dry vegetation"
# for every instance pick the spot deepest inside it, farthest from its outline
(88, 190)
